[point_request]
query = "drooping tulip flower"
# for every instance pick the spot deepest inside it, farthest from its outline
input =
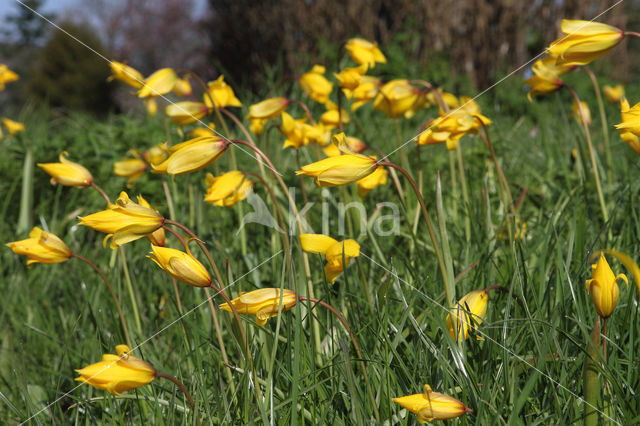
(365, 52)
(41, 247)
(125, 221)
(182, 87)
(297, 132)
(613, 93)
(365, 92)
(585, 109)
(152, 106)
(315, 84)
(334, 252)
(264, 303)
(12, 127)
(181, 265)
(349, 78)
(159, 83)
(186, 112)
(126, 74)
(67, 173)
(339, 170)
(6, 76)
(192, 155)
(156, 154)
(269, 108)
(131, 168)
(467, 314)
(222, 94)
(584, 41)
(603, 287)
(331, 117)
(117, 373)
(157, 237)
(396, 98)
(208, 131)
(629, 129)
(228, 189)
(431, 405)
(377, 178)
(546, 77)
(451, 126)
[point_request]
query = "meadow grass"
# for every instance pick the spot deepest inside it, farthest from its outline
(527, 369)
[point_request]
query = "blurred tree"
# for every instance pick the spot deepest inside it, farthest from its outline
(69, 75)
(26, 27)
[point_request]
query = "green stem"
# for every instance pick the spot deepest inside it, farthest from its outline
(179, 384)
(125, 329)
(465, 195)
(101, 191)
(129, 284)
(591, 374)
(592, 154)
(605, 126)
(365, 284)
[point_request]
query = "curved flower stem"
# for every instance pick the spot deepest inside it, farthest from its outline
(465, 194)
(292, 204)
(632, 33)
(592, 154)
(101, 191)
(394, 175)
(436, 93)
(113, 295)
(344, 322)
(129, 284)
(432, 235)
(605, 127)
(179, 384)
(305, 108)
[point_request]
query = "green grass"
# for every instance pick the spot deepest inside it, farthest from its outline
(527, 370)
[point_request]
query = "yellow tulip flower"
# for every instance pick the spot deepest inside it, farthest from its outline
(125, 221)
(603, 287)
(157, 237)
(364, 52)
(181, 265)
(6, 76)
(629, 129)
(585, 109)
(159, 83)
(126, 74)
(152, 106)
(315, 84)
(331, 118)
(584, 41)
(12, 127)
(182, 87)
(41, 247)
(269, 108)
(192, 155)
(222, 94)
(396, 98)
(431, 405)
(349, 78)
(377, 178)
(117, 373)
(256, 125)
(131, 168)
(204, 131)
(298, 133)
(333, 251)
(450, 127)
(156, 154)
(264, 303)
(613, 93)
(467, 314)
(365, 92)
(228, 189)
(186, 112)
(545, 79)
(67, 172)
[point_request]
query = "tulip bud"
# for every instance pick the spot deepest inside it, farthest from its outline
(603, 287)
(431, 405)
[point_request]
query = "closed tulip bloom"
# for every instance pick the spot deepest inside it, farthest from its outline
(12, 127)
(256, 125)
(222, 94)
(603, 287)
(181, 265)
(156, 154)
(186, 112)
(131, 168)
(315, 84)
(159, 83)
(629, 129)
(204, 131)
(331, 118)
(349, 78)
(366, 91)
(126, 74)
(546, 76)
(41, 247)
(585, 109)
(192, 155)
(269, 108)
(67, 173)
(6, 76)
(157, 237)
(613, 93)
(339, 170)
(117, 373)
(584, 41)
(125, 221)
(396, 98)
(377, 178)
(228, 189)
(182, 87)
(365, 52)
(264, 303)
(467, 314)
(431, 405)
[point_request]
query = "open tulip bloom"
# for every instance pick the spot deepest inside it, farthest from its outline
(467, 314)
(337, 253)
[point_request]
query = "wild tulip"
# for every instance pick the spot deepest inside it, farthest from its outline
(349, 78)
(124, 221)
(126, 74)
(603, 287)
(366, 91)
(222, 94)
(467, 314)
(186, 112)
(585, 109)
(431, 405)
(269, 108)
(41, 247)
(67, 173)
(613, 93)
(131, 168)
(159, 83)
(152, 106)
(546, 77)
(334, 251)
(156, 154)
(315, 84)
(118, 373)
(264, 303)
(208, 131)
(181, 265)
(12, 127)
(182, 87)
(6, 76)
(584, 41)
(365, 52)
(332, 117)
(629, 129)
(396, 98)
(375, 179)
(157, 237)
(192, 155)
(228, 189)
